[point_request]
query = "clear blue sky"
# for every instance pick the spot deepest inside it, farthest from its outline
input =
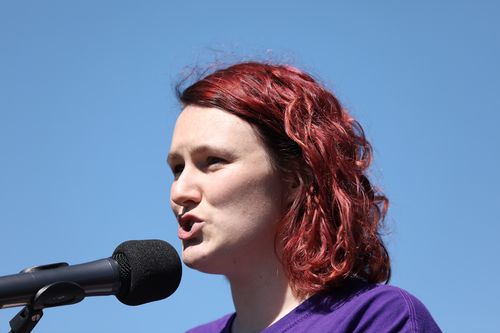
(87, 109)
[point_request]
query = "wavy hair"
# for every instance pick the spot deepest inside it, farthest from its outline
(330, 233)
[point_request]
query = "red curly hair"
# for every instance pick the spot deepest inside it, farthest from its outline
(330, 233)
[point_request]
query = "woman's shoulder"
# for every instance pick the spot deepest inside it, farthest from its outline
(365, 308)
(385, 296)
(220, 325)
(396, 304)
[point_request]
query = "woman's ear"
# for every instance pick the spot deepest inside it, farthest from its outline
(295, 183)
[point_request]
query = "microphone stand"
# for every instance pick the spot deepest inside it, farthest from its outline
(55, 294)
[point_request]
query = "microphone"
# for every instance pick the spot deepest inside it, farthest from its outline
(138, 272)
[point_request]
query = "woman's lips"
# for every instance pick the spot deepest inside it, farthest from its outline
(189, 226)
(189, 233)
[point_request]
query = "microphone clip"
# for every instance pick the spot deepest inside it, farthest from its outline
(55, 294)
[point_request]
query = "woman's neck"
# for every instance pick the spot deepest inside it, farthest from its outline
(261, 297)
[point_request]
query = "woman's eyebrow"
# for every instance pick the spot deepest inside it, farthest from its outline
(198, 150)
(205, 148)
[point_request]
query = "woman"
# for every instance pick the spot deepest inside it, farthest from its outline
(271, 191)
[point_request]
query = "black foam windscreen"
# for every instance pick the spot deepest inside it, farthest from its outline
(150, 270)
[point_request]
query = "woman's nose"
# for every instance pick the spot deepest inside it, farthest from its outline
(186, 190)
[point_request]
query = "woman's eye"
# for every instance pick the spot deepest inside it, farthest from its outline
(177, 169)
(212, 160)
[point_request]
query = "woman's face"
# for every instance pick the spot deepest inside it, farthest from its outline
(227, 196)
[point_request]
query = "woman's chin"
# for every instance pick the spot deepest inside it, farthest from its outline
(203, 262)
(193, 257)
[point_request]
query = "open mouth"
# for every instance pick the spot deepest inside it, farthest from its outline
(187, 221)
(188, 225)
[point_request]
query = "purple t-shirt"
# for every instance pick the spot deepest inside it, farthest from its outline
(366, 308)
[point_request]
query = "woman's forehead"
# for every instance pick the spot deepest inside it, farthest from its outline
(198, 128)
